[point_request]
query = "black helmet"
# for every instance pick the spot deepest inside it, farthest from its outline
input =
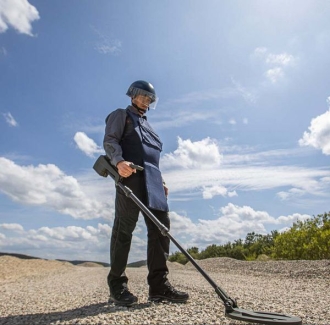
(144, 88)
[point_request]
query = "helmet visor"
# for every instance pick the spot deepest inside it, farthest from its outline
(144, 97)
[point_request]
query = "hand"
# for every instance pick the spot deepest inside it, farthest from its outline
(124, 170)
(165, 190)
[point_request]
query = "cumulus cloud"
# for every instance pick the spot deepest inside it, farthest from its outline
(48, 186)
(282, 59)
(12, 226)
(10, 119)
(65, 241)
(233, 222)
(318, 134)
(18, 14)
(199, 154)
(290, 219)
(277, 63)
(242, 169)
(235, 212)
(86, 144)
(292, 193)
(92, 242)
(211, 191)
(71, 242)
(274, 74)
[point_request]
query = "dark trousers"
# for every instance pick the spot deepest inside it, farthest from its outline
(126, 216)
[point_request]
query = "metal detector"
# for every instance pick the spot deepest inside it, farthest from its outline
(103, 167)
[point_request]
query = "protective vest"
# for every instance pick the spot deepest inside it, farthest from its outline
(143, 147)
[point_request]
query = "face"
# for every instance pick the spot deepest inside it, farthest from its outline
(142, 101)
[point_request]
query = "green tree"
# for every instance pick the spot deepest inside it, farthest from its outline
(309, 239)
(193, 251)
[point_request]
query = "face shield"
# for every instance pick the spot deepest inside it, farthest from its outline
(143, 98)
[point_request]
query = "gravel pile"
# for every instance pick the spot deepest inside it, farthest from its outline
(78, 295)
(301, 268)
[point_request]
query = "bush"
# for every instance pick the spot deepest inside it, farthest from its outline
(308, 240)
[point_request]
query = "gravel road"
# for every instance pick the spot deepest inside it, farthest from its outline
(64, 294)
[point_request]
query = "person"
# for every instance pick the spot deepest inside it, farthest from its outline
(129, 138)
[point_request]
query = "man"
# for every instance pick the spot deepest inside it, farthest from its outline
(128, 139)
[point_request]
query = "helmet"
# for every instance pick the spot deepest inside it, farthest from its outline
(143, 88)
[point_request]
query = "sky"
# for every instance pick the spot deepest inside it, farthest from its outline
(243, 113)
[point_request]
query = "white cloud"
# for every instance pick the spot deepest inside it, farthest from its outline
(292, 193)
(181, 118)
(92, 242)
(248, 95)
(274, 74)
(232, 194)
(86, 144)
(10, 119)
(233, 222)
(318, 134)
(18, 14)
(68, 241)
(244, 171)
(48, 186)
(211, 191)
(235, 212)
(181, 224)
(12, 226)
(71, 242)
(199, 154)
(200, 106)
(232, 121)
(290, 219)
(280, 59)
(260, 51)
(277, 62)
(109, 47)
(105, 45)
(196, 97)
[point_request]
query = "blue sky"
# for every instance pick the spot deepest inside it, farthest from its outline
(243, 111)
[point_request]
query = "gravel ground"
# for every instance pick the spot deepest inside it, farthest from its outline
(50, 292)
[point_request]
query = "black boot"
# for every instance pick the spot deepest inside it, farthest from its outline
(167, 293)
(122, 296)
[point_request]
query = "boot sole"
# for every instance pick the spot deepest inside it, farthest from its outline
(121, 303)
(158, 299)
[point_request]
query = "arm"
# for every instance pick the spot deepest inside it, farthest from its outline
(165, 188)
(115, 125)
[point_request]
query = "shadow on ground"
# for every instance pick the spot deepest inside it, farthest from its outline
(64, 316)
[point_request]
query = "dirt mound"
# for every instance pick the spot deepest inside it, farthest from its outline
(175, 266)
(90, 264)
(12, 268)
(295, 268)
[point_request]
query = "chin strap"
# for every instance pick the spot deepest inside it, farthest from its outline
(140, 110)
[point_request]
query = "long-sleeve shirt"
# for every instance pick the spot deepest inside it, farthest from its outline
(114, 130)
